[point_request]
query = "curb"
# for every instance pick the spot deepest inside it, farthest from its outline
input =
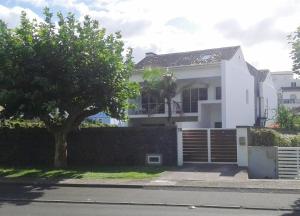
(154, 187)
(150, 204)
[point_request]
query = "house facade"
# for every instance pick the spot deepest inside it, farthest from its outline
(214, 90)
(288, 89)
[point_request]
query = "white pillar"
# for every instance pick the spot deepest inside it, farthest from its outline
(179, 146)
(242, 133)
(208, 145)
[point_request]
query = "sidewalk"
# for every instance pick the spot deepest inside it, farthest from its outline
(292, 186)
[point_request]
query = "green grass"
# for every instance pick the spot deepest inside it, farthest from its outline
(83, 173)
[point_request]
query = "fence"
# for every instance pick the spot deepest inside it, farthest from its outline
(289, 162)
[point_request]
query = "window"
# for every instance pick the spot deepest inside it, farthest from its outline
(202, 93)
(190, 98)
(293, 84)
(218, 124)
(247, 96)
(152, 104)
(293, 98)
(218, 93)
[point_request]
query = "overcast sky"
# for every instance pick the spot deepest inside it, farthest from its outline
(260, 27)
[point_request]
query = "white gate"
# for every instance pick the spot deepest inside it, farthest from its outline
(289, 162)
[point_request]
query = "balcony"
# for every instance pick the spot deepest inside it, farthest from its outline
(158, 109)
(289, 101)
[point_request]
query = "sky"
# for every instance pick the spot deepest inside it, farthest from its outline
(260, 27)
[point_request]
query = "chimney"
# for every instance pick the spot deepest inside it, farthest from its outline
(150, 54)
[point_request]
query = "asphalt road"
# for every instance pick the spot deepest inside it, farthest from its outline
(37, 209)
(34, 200)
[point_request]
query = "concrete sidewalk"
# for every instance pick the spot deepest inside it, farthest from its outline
(292, 186)
(188, 177)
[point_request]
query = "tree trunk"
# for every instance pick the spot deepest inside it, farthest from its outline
(169, 111)
(60, 158)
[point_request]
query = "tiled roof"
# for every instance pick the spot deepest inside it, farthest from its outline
(259, 75)
(188, 58)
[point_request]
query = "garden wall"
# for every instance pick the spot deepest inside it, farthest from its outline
(90, 146)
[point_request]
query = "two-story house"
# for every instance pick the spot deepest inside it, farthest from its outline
(215, 89)
(288, 87)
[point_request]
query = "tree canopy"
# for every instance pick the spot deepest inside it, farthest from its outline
(294, 40)
(63, 72)
(161, 83)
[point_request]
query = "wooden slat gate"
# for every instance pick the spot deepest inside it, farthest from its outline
(223, 145)
(289, 162)
(209, 145)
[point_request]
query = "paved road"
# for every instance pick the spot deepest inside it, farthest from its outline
(33, 197)
(37, 209)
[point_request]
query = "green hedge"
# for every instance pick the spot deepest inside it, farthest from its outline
(270, 137)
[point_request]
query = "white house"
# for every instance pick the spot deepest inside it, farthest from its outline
(288, 87)
(265, 97)
(215, 90)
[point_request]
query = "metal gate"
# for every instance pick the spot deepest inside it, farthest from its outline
(209, 145)
(289, 162)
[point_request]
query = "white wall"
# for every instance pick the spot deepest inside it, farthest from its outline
(284, 79)
(236, 79)
(270, 100)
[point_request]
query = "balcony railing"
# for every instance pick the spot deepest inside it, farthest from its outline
(289, 101)
(156, 108)
(148, 109)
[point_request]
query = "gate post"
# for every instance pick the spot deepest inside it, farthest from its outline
(208, 145)
(242, 139)
(179, 146)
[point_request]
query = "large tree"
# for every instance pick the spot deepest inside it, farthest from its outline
(294, 40)
(159, 82)
(63, 73)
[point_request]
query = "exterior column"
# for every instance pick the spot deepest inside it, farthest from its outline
(242, 141)
(179, 145)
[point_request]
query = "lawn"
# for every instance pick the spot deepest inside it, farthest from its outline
(82, 173)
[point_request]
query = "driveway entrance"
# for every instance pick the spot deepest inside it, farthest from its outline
(206, 172)
(209, 145)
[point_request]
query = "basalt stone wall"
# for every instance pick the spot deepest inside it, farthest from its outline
(89, 147)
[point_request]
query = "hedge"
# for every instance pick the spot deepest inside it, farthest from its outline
(271, 137)
(89, 146)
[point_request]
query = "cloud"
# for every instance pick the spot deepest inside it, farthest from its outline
(128, 28)
(258, 33)
(182, 23)
(139, 52)
(11, 16)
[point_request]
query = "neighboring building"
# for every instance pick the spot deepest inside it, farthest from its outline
(288, 87)
(266, 102)
(106, 119)
(215, 90)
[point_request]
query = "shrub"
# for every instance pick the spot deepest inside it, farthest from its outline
(264, 137)
(285, 118)
(270, 137)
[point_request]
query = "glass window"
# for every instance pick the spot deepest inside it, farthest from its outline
(293, 84)
(202, 93)
(186, 100)
(190, 99)
(218, 93)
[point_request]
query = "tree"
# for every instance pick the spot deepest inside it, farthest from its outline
(161, 83)
(294, 40)
(63, 73)
(285, 118)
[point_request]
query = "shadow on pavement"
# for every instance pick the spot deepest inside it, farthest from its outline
(21, 194)
(296, 209)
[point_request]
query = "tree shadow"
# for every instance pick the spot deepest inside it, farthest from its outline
(296, 209)
(21, 194)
